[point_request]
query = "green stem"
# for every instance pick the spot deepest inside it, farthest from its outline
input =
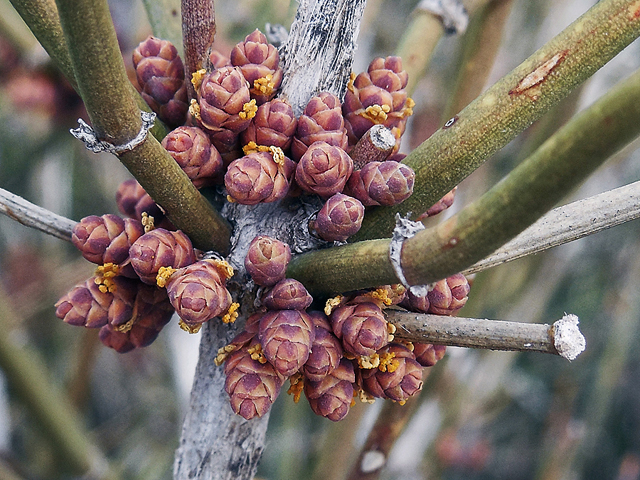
(27, 376)
(164, 17)
(509, 106)
(104, 87)
(531, 189)
(41, 16)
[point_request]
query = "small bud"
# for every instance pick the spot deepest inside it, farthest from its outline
(267, 260)
(321, 121)
(398, 377)
(323, 169)
(382, 183)
(192, 150)
(273, 125)
(339, 218)
(198, 292)
(286, 337)
(160, 248)
(252, 386)
(257, 178)
(288, 294)
(362, 328)
(449, 295)
(326, 350)
(427, 354)
(106, 239)
(160, 74)
(222, 96)
(331, 397)
(441, 205)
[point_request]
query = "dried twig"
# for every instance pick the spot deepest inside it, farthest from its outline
(198, 31)
(562, 338)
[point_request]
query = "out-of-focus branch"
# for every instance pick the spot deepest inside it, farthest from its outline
(508, 107)
(568, 223)
(30, 215)
(562, 338)
(165, 19)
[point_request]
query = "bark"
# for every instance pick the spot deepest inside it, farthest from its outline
(216, 443)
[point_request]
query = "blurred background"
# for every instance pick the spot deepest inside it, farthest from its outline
(481, 415)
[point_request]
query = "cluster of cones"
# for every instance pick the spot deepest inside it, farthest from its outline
(346, 351)
(237, 133)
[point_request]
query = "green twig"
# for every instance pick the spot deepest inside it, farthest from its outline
(520, 199)
(41, 16)
(27, 376)
(104, 87)
(164, 17)
(480, 47)
(509, 106)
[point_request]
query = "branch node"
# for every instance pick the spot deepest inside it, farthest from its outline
(452, 14)
(88, 135)
(404, 229)
(567, 338)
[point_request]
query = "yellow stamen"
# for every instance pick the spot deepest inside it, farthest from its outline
(194, 109)
(331, 304)
(196, 78)
(264, 85)
(251, 147)
(277, 154)
(256, 353)
(249, 110)
(380, 294)
(402, 402)
(376, 113)
(391, 329)
(104, 277)
(297, 386)
(125, 327)
(231, 314)
(189, 328)
(223, 267)
(164, 274)
(148, 222)
(352, 78)
(388, 362)
(230, 199)
(223, 353)
(369, 362)
(407, 111)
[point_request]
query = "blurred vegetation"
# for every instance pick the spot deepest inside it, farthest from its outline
(482, 415)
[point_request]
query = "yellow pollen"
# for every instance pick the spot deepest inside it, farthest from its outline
(388, 363)
(352, 78)
(277, 154)
(264, 85)
(249, 110)
(376, 113)
(196, 78)
(194, 109)
(189, 328)
(369, 362)
(331, 304)
(223, 353)
(256, 353)
(230, 199)
(147, 222)
(104, 277)
(231, 314)
(391, 329)
(251, 147)
(402, 402)
(407, 111)
(164, 274)
(223, 267)
(297, 386)
(380, 294)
